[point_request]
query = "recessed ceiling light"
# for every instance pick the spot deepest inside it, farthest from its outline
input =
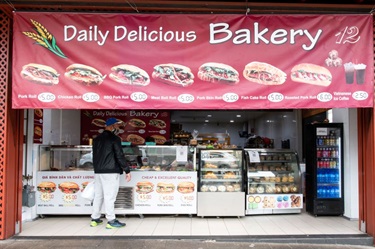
(231, 121)
(206, 121)
(238, 115)
(209, 115)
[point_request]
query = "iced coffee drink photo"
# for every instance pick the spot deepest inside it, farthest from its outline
(360, 73)
(349, 72)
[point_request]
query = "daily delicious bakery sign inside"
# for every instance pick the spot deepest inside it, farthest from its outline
(137, 61)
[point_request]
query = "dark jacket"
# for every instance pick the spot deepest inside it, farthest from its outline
(108, 156)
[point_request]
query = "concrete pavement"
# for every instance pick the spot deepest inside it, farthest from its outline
(149, 243)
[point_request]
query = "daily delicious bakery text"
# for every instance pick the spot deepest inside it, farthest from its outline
(218, 33)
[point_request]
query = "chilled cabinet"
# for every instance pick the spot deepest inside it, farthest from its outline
(273, 182)
(324, 169)
(220, 181)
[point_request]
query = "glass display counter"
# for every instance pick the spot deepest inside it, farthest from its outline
(221, 190)
(273, 181)
(164, 180)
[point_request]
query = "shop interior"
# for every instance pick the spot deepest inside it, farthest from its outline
(239, 128)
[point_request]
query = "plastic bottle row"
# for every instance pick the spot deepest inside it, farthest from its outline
(328, 192)
(327, 163)
(328, 176)
(329, 140)
(327, 153)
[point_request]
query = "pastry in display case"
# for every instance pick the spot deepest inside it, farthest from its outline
(273, 181)
(220, 183)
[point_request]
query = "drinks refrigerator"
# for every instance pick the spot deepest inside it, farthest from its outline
(324, 169)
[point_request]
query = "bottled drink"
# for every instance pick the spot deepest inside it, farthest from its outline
(324, 192)
(319, 153)
(319, 192)
(337, 192)
(319, 176)
(323, 177)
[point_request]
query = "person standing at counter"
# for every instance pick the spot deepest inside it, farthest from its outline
(109, 163)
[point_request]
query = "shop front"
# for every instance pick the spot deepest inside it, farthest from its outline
(59, 69)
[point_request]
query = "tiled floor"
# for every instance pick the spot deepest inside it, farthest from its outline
(183, 225)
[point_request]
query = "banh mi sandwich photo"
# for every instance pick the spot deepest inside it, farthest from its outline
(84, 74)
(165, 188)
(186, 187)
(40, 74)
(137, 123)
(46, 187)
(311, 74)
(218, 73)
(38, 130)
(159, 139)
(38, 113)
(135, 139)
(173, 74)
(129, 75)
(144, 187)
(158, 123)
(264, 73)
(98, 122)
(69, 187)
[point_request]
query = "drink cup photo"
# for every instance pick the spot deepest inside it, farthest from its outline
(349, 72)
(360, 73)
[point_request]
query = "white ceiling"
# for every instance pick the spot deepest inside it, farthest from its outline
(216, 116)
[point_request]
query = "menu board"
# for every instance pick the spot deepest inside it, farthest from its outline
(151, 192)
(60, 192)
(171, 61)
(164, 192)
(137, 126)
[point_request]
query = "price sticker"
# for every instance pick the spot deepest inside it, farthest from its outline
(360, 95)
(69, 198)
(90, 97)
(46, 197)
(138, 96)
(46, 97)
(275, 97)
(230, 97)
(324, 97)
(144, 197)
(185, 98)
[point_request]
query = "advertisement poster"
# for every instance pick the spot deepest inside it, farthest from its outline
(38, 126)
(268, 202)
(137, 126)
(152, 193)
(60, 192)
(172, 61)
(171, 192)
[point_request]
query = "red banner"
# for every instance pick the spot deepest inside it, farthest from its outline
(138, 127)
(124, 61)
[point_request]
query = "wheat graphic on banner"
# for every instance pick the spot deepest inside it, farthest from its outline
(44, 38)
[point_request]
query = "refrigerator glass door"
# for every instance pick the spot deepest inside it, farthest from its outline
(328, 154)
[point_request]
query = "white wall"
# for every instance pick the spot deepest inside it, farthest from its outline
(231, 128)
(279, 126)
(349, 118)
